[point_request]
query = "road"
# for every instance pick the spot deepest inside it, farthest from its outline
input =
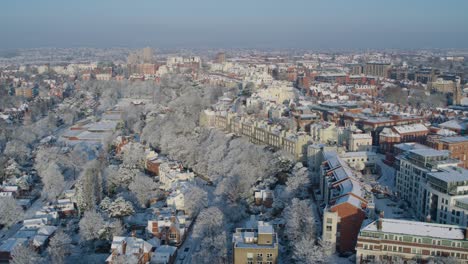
(185, 257)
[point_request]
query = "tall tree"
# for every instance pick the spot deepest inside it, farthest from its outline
(59, 247)
(144, 189)
(91, 226)
(300, 222)
(23, 254)
(53, 182)
(10, 211)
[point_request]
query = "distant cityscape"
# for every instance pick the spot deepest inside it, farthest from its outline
(238, 156)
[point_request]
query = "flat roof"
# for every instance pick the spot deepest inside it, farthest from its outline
(451, 174)
(429, 152)
(358, 154)
(406, 227)
(410, 145)
(454, 139)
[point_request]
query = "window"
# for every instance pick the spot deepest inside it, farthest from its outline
(329, 228)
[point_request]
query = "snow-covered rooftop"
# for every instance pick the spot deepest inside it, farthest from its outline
(265, 228)
(454, 139)
(414, 228)
(454, 174)
(361, 136)
(411, 128)
(429, 152)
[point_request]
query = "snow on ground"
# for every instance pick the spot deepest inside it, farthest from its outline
(387, 178)
(337, 260)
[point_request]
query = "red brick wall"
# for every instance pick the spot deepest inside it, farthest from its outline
(349, 226)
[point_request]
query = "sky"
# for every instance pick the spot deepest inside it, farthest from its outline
(307, 24)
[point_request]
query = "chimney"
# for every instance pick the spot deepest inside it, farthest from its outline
(124, 247)
(380, 221)
(428, 218)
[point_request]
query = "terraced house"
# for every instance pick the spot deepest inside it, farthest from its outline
(258, 132)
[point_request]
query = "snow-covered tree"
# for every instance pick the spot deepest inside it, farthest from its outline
(89, 187)
(12, 169)
(195, 199)
(18, 150)
(59, 247)
(144, 188)
(120, 207)
(91, 225)
(210, 229)
(53, 182)
(231, 188)
(24, 182)
(111, 229)
(122, 178)
(133, 155)
(300, 222)
(23, 254)
(308, 252)
(10, 211)
(213, 250)
(298, 182)
(209, 222)
(105, 203)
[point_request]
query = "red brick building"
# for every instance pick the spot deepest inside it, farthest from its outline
(402, 134)
(351, 215)
(458, 147)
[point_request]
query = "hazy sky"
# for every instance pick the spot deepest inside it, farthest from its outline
(235, 23)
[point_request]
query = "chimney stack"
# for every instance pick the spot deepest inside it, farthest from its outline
(428, 218)
(124, 247)
(380, 221)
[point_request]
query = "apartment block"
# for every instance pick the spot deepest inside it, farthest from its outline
(377, 69)
(255, 246)
(392, 241)
(345, 203)
(432, 184)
